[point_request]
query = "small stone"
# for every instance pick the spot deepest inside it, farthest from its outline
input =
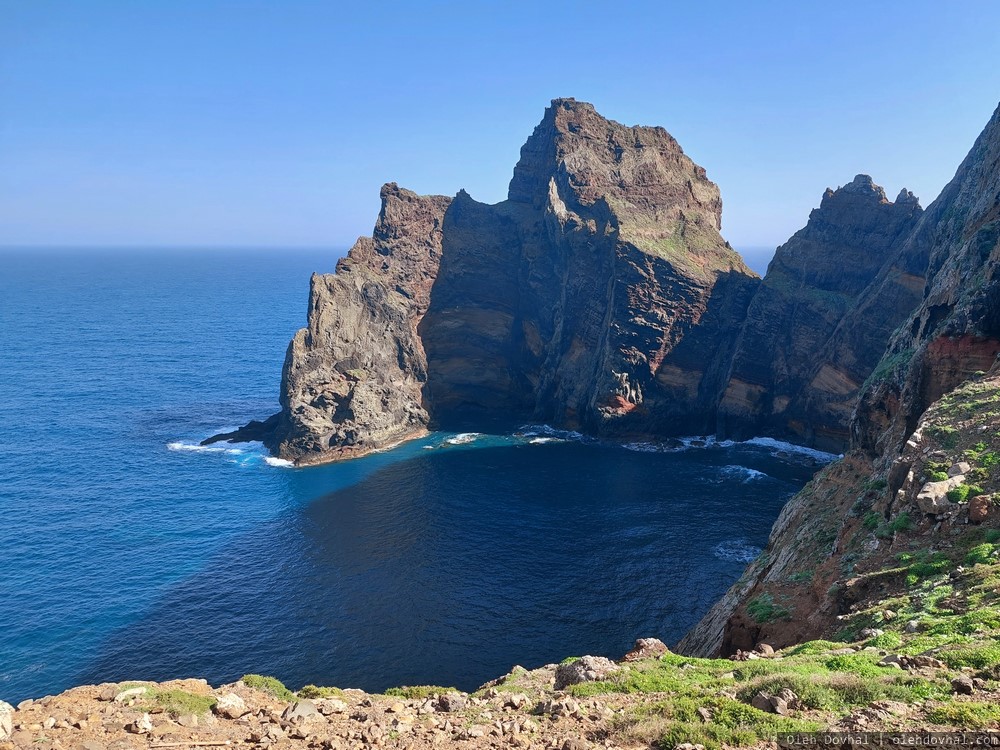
(689, 746)
(912, 626)
(108, 693)
(517, 701)
(705, 714)
(230, 706)
(49, 723)
(762, 702)
(867, 633)
(142, 725)
(188, 720)
(575, 744)
(395, 708)
(764, 649)
(91, 745)
(328, 706)
(452, 702)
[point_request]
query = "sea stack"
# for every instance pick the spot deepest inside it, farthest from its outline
(599, 296)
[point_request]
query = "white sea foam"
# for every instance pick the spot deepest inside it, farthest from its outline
(745, 473)
(280, 462)
(736, 550)
(463, 438)
(543, 433)
(778, 446)
(195, 448)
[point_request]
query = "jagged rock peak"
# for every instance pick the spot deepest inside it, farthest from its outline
(634, 180)
(863, 190)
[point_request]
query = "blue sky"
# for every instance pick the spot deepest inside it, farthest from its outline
(243, 123)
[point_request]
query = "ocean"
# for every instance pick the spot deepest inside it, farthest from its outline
(129, 552)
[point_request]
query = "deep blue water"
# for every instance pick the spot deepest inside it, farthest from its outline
(126, 553)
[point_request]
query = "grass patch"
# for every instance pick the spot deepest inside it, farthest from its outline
(981, 554)
(418, 691)
(764, 609)
(314, 691)
(270, 685)
(977, 657)
(965, 714)
(946, 435)
(889, 640)
(176, 702)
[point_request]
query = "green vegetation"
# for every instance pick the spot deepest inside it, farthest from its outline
(313, 691)
(889, 366)
(946, 435)
(764, 609)
(175, 702)
(802, 576)
(418, 691)
(981, 554)
(938, 476)
(271, 685)
(968, 715)
(964, 492)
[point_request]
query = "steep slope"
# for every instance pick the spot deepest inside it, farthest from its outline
(807, 346)
(924, 442)
(599, 296)
(352, 378)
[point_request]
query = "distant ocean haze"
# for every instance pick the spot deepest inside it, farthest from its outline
(131, 552)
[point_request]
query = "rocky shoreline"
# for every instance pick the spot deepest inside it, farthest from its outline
(651, 698)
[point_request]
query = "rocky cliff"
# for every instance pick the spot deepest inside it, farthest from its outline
(599, 296)
(906, 502)
(807, 345)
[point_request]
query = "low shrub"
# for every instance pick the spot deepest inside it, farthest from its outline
(271, 685)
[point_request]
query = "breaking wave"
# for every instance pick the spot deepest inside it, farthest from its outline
(736, 550)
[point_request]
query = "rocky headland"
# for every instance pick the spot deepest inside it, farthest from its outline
(601, 296)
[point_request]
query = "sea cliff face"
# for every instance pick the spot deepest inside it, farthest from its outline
(807, 345)
(915, 493)
(600, 296)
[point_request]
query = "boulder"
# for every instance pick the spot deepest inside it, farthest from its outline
(979, 508)
(584, 669)
(646, 648)
(960, 468)
(230, 706)
(142, 725)
(963, 685)
(452, 702)
(6, 721)
(301, 711)
(933, 496)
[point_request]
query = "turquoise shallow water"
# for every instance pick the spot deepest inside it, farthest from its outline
(126, 552)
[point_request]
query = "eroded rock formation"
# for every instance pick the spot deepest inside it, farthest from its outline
(807, 344)
(599, 296)
(927, 407)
